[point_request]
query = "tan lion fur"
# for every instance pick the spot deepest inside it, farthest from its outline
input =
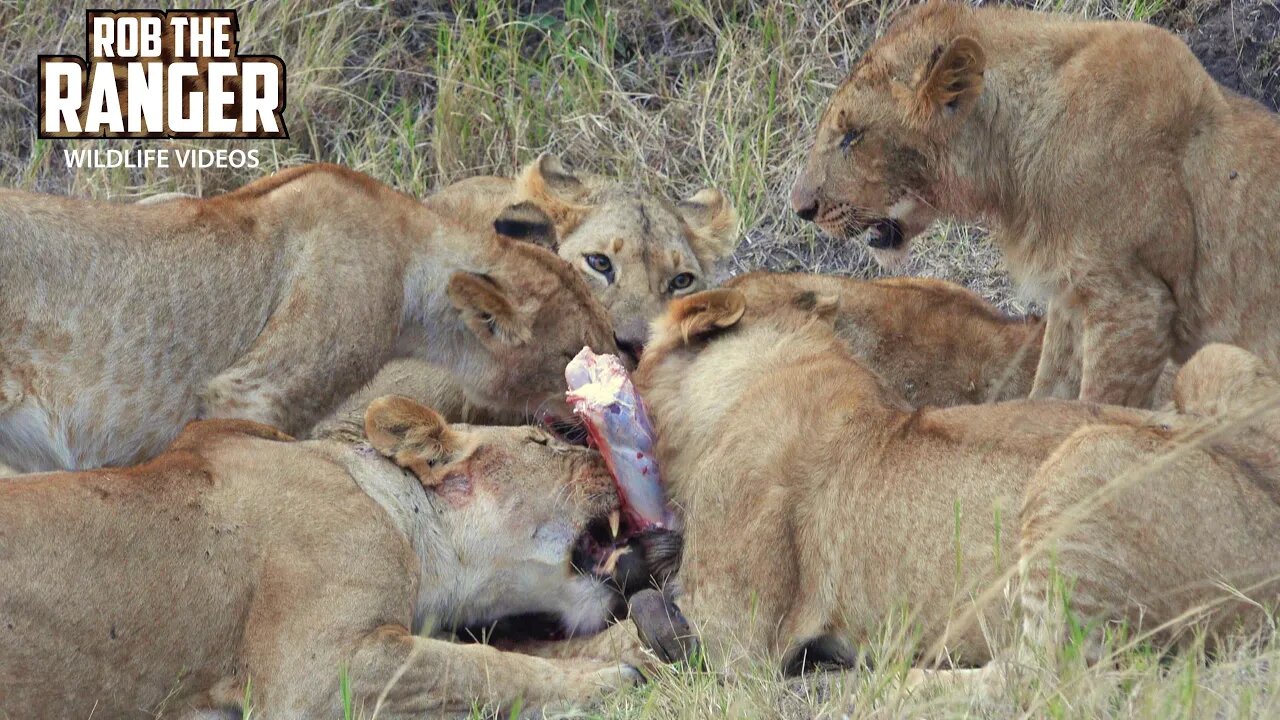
(817, 505)
(240, 565)
(648, 240)
(933, 342)
(271, 303)
(1125, 187)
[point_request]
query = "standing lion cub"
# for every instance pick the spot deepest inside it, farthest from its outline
(1135, 194)
(120, 323)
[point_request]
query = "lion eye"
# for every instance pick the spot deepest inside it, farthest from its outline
(680, 282)
(851, 136)
(601, 264)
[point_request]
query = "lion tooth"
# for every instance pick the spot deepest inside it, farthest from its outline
(615, 523)
(611, 563)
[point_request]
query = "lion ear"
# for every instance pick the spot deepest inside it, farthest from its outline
(713, 226)
(487, 309)
(706, 312)
(411, 435)
(557, 192)
(527, 222)
(952, 79)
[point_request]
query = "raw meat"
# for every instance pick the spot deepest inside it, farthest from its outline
(601, 394)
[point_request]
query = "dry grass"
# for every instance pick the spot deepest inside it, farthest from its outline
(674, 96)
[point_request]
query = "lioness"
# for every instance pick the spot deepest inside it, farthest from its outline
(239, 570)
(1124, 185)
(269, 303)
(816, 504)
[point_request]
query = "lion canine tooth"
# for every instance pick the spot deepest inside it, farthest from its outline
(615, 522)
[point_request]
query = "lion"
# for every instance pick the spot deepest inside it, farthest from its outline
(934, 342)
(817, 505)
(1125, 187)
(240, 570)
(636, 250)
(270, 303)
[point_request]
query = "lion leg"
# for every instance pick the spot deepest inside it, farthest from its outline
(1127, 339)
(1071, 562)
(399, 675)
(1127, 529)
(1061, 572)
(618, 642)
(1058, 373)
(302, 363)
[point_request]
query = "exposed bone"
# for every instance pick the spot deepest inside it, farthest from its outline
(602, 395)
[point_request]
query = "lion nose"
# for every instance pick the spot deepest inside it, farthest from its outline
(804, 202)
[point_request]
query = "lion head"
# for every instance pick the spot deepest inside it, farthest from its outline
(522, 519)
(637, 251)
(518, 323)
(886, 153)
(704, 343)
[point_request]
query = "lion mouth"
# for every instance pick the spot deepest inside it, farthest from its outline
(512, 631)
(568, 429)
(601, 546)
(884, 234)
(628, 560)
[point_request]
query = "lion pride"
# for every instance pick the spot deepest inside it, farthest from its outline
(1133, 193)
(817, 504)
(934, 342)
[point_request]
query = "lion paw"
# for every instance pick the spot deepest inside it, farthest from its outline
(609, 679)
